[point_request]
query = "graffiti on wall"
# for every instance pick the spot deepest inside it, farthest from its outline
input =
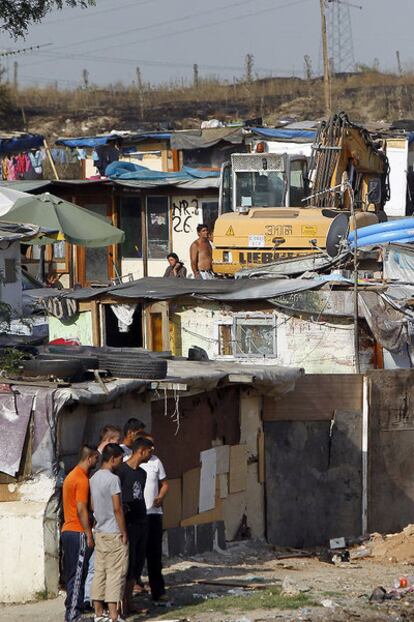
(182, 213)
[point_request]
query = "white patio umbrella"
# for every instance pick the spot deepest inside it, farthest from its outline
(8, 198)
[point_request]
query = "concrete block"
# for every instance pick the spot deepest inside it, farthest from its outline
(204, 537)
(190, 547)
(176, 541)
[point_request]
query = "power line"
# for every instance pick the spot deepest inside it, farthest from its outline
(154, 63)
(92, 13)
(150, 26)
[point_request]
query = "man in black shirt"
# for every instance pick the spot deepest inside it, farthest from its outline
(133, 480)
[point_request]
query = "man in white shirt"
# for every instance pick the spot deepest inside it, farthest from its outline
(156, 488)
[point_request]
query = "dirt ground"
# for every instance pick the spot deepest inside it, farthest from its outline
(305, 589)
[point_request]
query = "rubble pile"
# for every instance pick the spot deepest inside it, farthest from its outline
(396, 547)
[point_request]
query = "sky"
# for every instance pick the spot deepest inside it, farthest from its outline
(166, 37)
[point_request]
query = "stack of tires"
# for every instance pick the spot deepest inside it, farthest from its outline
(119, 362)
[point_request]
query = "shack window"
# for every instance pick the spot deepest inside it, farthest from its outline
(130, 223)
(248, 336)
(158, 227)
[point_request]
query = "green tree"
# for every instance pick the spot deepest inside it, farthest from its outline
(17, 15)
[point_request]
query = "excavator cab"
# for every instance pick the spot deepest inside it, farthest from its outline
(261, 181)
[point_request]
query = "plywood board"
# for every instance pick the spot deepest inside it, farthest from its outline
(223, 459)
(224, 485)
(315, 397)
(173, 504)
(207, 494)
(191, 492)
(238, 468)
(261, 458)
(215, 514)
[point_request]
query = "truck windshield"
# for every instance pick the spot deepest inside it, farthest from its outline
(260, 189)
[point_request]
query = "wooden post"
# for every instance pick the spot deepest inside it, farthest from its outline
(49, 155)
(326, 70)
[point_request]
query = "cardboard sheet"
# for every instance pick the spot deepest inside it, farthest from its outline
(191, 492)
(173, 504)
(224, 485)
(210, 516)
(238, 468)
(223, 459)
(207, 497)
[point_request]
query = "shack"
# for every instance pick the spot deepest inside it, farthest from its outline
(207, 422)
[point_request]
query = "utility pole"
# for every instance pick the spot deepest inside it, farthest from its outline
(308, 67)
(85, 78)
(15, 75)
(399, 65)
(326, 72)
(195, 76)
(140, 94)
(249, 67)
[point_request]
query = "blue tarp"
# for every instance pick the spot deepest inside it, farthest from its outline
(128, 170)
(97, 141)
(284, 134)
(25, 142)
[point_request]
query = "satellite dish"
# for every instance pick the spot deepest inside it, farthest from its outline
(337, 232)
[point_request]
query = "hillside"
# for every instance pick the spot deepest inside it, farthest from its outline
(366, 96)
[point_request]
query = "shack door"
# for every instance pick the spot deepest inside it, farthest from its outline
(95, 265)
(313, 480)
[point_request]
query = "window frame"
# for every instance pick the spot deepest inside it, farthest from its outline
(169, 225)
(269, 319)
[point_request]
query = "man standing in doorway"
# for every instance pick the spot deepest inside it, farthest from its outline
(111, 539)
(132, 430)
(201, 255)
(77, 539)
(133, 479)
(156, 488)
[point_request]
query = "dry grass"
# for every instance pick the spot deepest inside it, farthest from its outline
(369, 95)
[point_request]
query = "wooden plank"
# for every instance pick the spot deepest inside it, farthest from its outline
(222, 459)
(191, 492)
(9, 492)
(238, 468)
(261, 458)
(173, 504)
(315, 397)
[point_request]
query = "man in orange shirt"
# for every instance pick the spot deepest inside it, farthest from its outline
(77, 538)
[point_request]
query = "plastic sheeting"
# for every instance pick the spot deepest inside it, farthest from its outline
(284, 134)
(129, 170)
(399, 263)
(15, 410)
(91, 142)
(389, 326)
(25, 142)
(202, 139)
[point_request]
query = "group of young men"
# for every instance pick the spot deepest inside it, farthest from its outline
(112, 505)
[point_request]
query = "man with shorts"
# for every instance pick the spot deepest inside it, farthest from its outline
(201, 255)
(111, 539)
(77, 539)
(133, 479)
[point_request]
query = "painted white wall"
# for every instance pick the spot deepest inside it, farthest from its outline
(317, 347)
(29, 565)
(397, 153)
(11, 293)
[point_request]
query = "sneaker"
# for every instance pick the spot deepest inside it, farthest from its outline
(103, 618)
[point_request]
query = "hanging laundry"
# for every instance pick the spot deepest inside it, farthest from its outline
(36, 159)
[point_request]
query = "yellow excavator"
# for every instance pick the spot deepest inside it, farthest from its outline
(277, 206)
